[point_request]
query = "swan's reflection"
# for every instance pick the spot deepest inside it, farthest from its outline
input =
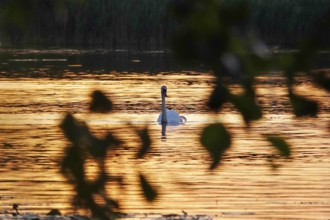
(164, 125)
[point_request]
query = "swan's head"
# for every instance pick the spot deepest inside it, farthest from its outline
(164, 90)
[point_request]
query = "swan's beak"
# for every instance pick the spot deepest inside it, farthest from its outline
(166, 93)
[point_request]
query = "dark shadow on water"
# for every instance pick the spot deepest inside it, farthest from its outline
(70, 63)
(51, 63)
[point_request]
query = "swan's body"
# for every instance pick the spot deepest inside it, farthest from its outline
(173, 118)
(170, 117)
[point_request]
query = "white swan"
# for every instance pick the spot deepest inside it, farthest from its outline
(170, 117)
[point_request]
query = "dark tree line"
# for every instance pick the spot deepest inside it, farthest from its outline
(139, 23)
(84, 23)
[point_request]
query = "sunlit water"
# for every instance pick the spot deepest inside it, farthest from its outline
(244, 186)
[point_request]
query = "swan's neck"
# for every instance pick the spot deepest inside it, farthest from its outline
(164, 115)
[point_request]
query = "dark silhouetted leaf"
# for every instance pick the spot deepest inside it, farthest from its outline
(98, 184)
(216, 139)
(72, 164)
(73, 129)
(302, 106)
(149, 192)
(79, 134)
(146, 142)
(112, 140)
(218, 97)
(247, 106)
(280, 144)
(322, 79)
(98, 146)
(100, 103)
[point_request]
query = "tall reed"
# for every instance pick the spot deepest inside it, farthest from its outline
(138, 23)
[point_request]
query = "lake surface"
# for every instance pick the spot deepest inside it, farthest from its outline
(37, 89)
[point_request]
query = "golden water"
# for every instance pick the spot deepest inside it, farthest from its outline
(244, 185)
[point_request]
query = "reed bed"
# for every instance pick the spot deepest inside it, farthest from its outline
(139, 24)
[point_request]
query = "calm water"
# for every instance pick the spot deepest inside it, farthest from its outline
(38, 89)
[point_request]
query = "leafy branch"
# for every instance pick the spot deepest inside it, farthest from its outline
(91, 194)
(216, 34)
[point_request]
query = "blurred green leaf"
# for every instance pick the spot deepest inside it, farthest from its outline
(76, 131)
(235, 12)
(218, 97)
(98, 147)
(216, 139)
(322, 79)
(100, 103)
(85, 145)
(201, 34)
(146, 142)
(98, 184)
(304, 60)
(79, 134)
(280, 144)
(302, 106)
(149, 192)
(17, 13)
(72, 165)
(182, 8)
(246, 104)
(207, 48)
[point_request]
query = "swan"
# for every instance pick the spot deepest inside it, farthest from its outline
(169, 116)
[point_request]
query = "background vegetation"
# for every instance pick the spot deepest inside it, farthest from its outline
(138, 23)
(219, 34)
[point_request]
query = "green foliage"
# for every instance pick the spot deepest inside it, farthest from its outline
(211, 31)
(216, 139)
(281, 145)
(322, 79)
(85, 147)
(247, 106)
(302, 106)
(146, 142)
(149, 192)
(218, 97)
(100, 103)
